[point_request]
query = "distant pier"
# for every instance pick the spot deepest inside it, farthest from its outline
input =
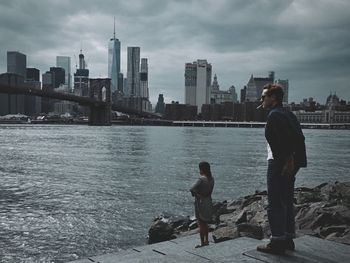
(256, 124)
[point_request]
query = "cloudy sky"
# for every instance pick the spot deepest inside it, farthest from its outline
(305, 41)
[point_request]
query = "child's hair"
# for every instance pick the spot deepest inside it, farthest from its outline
(205, 168)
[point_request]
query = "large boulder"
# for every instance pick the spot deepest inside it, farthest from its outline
(160, 231)
(165, 226)
(225, 233)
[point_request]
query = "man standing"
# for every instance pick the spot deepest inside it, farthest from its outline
(286, 154)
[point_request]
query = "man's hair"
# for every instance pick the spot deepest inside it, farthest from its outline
(276, 90)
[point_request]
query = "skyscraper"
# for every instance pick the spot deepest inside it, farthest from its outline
(64, 62)
(160, 107)
(81, 78)
(16, 63)
(133, 71)
(197, 83)
(144, 79)
(32, 104)
(255, 86)
(114, 61)
(47, 105)
(33, 74)
(57, 76)
(16, 74)
(11, 103)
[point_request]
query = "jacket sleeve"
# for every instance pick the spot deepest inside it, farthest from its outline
(300, 149)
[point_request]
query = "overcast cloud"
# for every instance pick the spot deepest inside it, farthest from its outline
(305, 41)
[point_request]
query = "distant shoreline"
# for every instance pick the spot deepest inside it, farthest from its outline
(216, 124)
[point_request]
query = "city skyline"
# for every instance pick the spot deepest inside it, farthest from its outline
(306, 45)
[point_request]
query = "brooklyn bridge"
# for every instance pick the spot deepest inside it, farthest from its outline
(100, 106)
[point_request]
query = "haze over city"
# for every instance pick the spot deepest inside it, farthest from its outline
(306, 42)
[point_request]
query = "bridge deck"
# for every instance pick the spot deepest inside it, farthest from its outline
(308, 249)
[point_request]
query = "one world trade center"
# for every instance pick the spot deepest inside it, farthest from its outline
(114, 61)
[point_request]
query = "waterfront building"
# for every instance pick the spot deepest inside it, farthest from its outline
(64, 62)
(285, 86)
(332, 101)
(218, 96)
(176, 111)
(114, 62)
(197, 83)
(16, 63)
(133, 72)
(324, 116)
(255, 86)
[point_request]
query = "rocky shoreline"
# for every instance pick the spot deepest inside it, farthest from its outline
(322, 211)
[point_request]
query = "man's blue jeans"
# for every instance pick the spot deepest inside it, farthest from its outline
(280, 195)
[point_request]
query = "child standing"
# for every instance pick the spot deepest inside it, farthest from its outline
(203, 205)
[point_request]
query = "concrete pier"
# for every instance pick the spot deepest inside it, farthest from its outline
(308, 250)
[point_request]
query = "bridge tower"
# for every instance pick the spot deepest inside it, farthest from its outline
(100, 114)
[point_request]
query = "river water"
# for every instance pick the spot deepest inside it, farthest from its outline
(69, 192)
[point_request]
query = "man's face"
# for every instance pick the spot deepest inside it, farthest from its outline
(266, 100)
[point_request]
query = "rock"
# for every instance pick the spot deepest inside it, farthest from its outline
(160, 231)
(307, 214)
(322, 211)
(303, 189)
(308, 197)
(219, 208)
(225, 233)
(258, 218)
(180, 221)
(345, 239)
(226, 218)
(235, 203)
(321, 220)
(242, 217)
(250, 199)
(339, 192)
(340, 214)
(250, 230)
(193, 225)
(338, 230)
(230, 218)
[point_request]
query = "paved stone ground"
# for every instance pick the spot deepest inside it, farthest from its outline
(308, 249)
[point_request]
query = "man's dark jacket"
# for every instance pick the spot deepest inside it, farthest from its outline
(285, 137)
